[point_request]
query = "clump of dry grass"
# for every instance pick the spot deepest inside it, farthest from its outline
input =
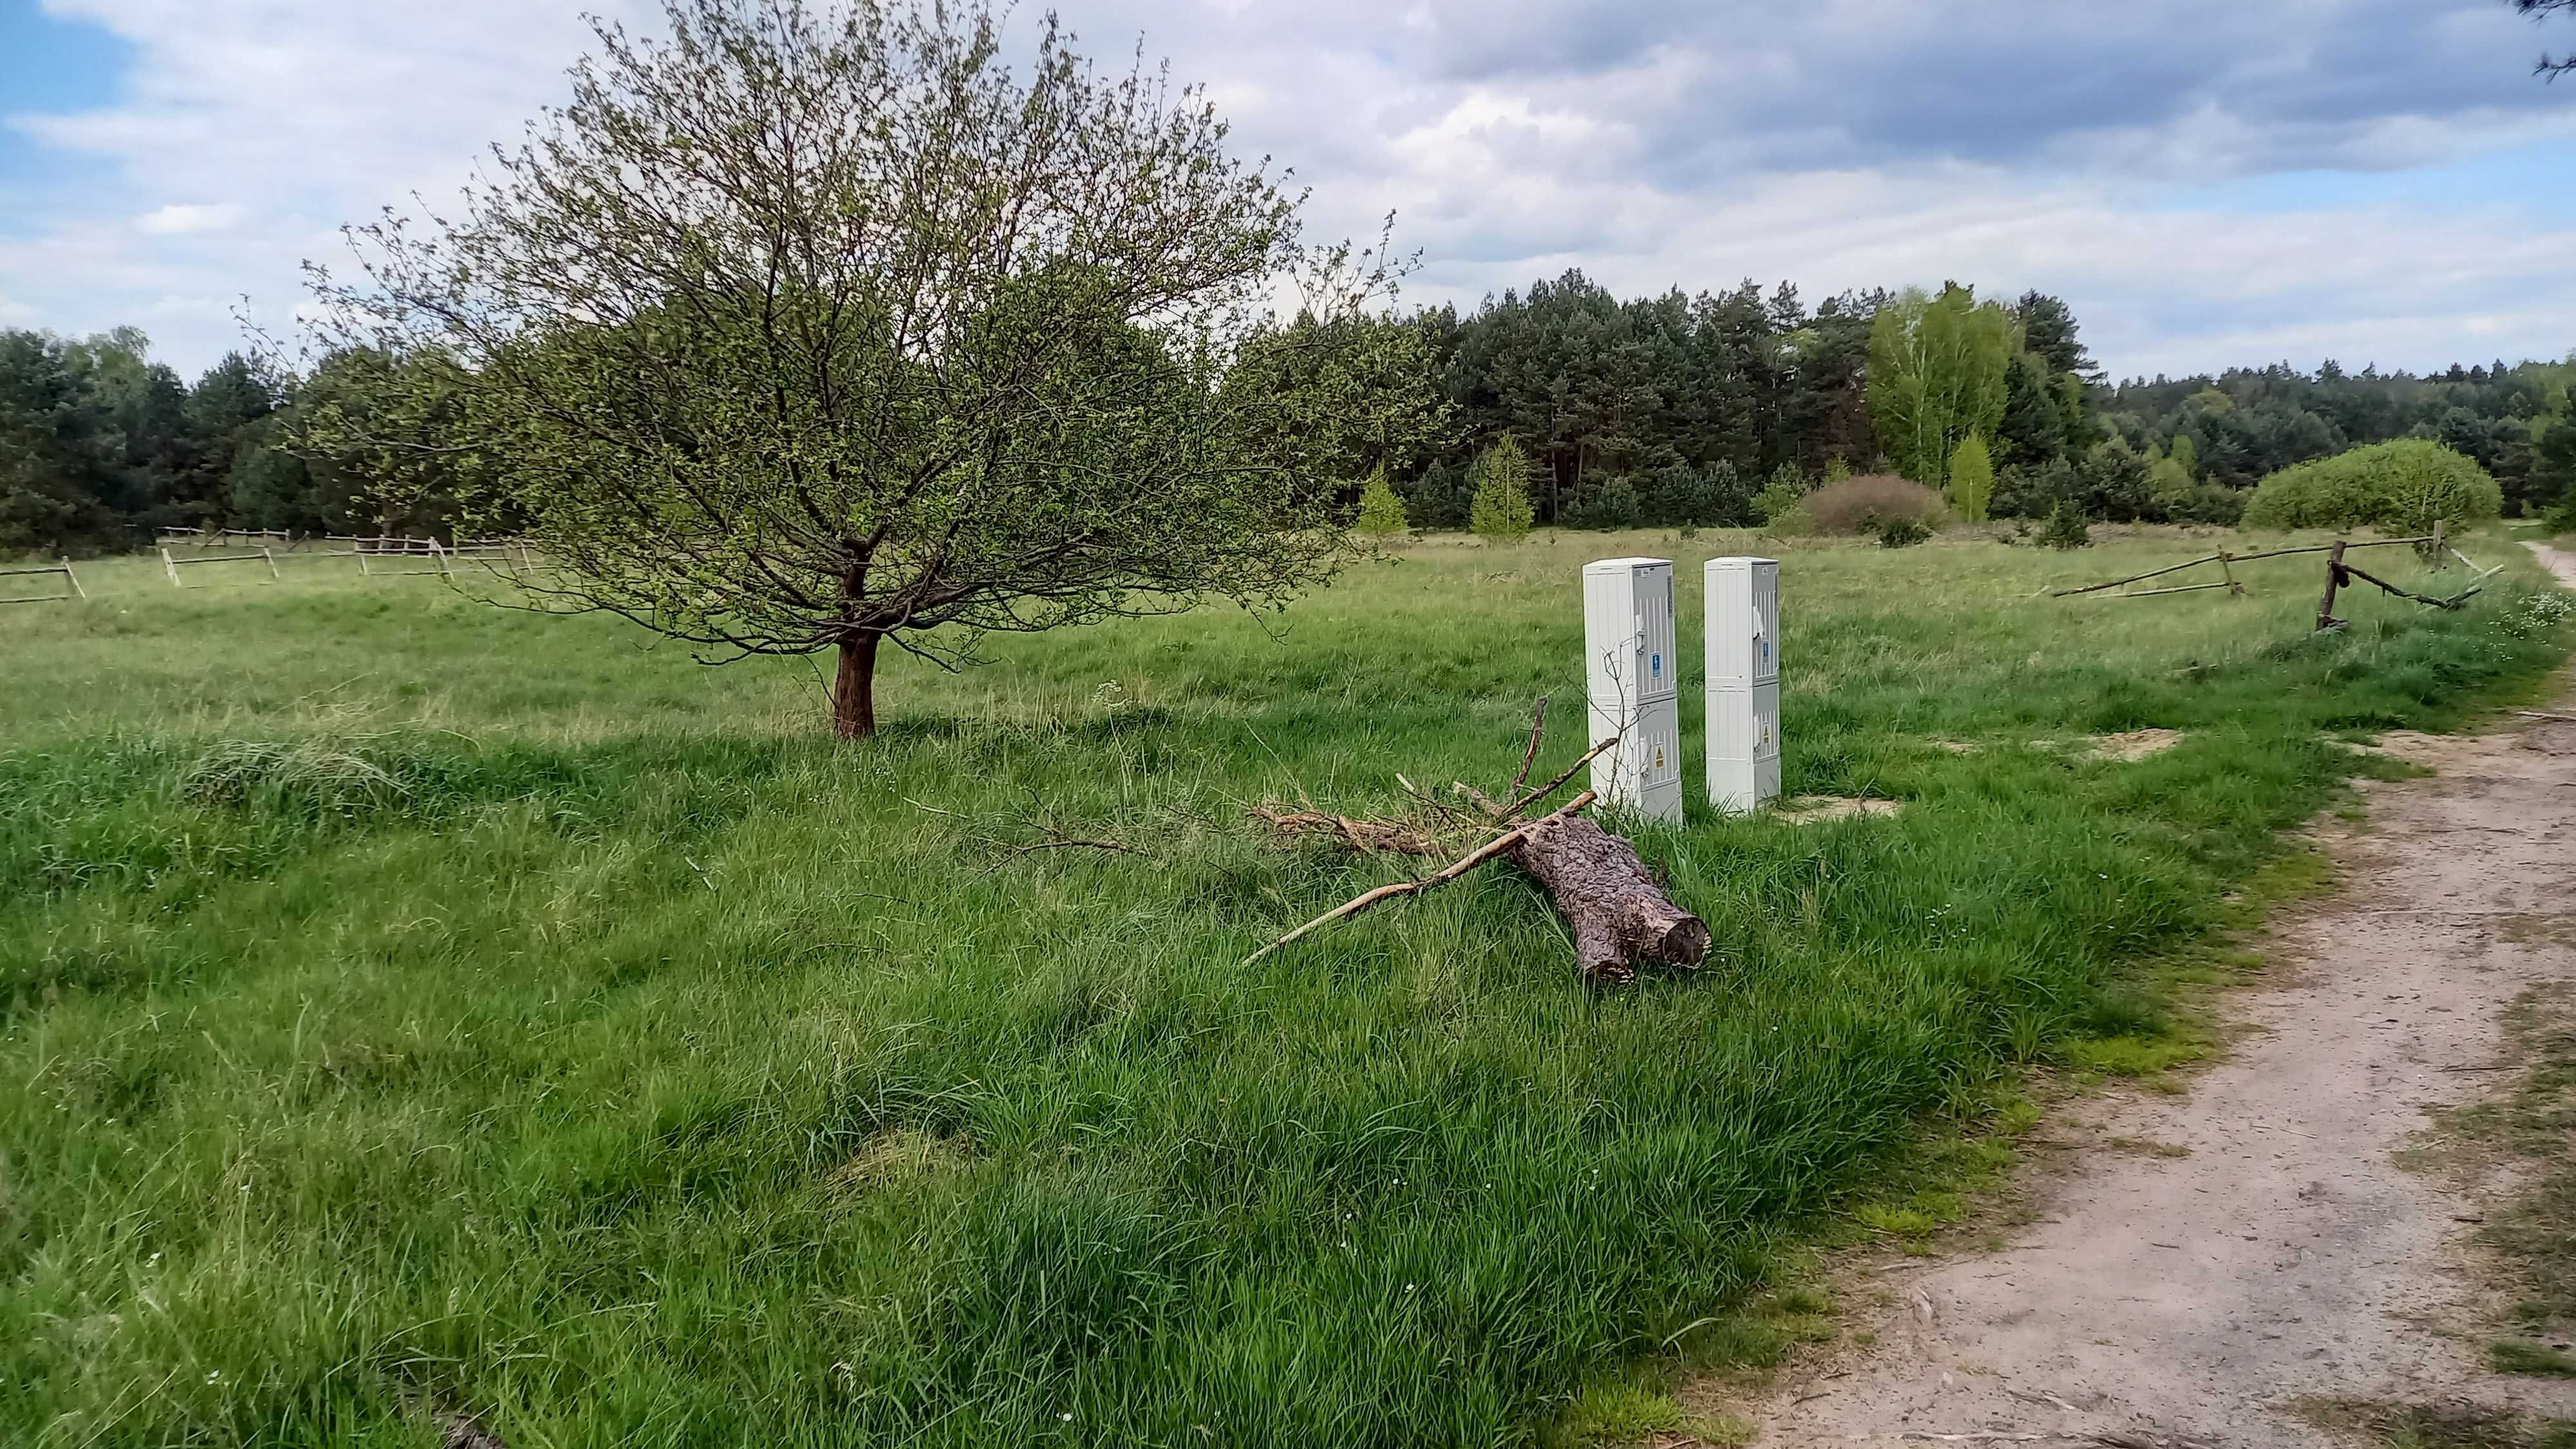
(1860, 505)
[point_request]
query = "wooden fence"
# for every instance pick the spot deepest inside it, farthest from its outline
(71, 583)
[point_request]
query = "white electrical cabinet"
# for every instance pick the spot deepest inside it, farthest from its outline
(1631, 676)
(1743, 682)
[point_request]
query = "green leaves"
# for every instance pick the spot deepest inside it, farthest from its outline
(809, 325)
(1501, 510)
(2406, 483)
(1936, 375)
(1972, 479)
(1381, 512)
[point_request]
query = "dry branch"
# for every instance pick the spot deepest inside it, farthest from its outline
(1472, 859)
(1597, 881)
(1519, 806)
(1538, 730)
(1369, 837)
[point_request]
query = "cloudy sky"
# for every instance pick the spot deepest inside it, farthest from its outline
(2207, 181)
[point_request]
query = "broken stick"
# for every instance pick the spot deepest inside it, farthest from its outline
(1596, 880)
(1472, 859)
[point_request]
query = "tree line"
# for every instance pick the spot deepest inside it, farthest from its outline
(1678, 409)
(1719, 407)
(101, 447)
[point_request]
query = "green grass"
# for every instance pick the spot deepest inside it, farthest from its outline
(2533, 1122)
(2519, 1356)
(412, 1007)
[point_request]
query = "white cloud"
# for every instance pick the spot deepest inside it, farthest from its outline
(178, 219)
(1843, 143)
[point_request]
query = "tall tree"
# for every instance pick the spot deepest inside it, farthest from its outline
(806, 330)
(2048, 331)
(1936, 376)
(61, 465)
(227, 414)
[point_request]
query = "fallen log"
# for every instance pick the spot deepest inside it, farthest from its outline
(1598, 883)
(1601, 886)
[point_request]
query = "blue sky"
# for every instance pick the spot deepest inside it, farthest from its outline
(2207, 181)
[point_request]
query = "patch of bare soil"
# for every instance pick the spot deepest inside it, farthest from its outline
(1809, 809)
(2133, 744)
(2282, 1256)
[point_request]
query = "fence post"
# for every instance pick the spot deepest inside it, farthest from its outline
(77, 591)
(170, 568)
(2334, 581)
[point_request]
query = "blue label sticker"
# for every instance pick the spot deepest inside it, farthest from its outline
(1659, 666)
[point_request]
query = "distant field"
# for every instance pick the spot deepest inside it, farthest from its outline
(413, 1007)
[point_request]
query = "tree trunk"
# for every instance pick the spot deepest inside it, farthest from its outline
(1602, 888)
(854, 687)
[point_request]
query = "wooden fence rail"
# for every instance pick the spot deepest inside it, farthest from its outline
(2435, 546)
(171, 565)
(64, 568)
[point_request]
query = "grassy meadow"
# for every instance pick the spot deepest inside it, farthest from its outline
(412, 1008)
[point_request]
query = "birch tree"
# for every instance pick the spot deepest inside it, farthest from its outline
(1936, 377)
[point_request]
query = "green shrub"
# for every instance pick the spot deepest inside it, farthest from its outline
(1501, 509)
(1606, 503)
(1902, 532)
(1714, 496)
(2406, 484)
(1781, 506)
(1440, 495)
(2065, 528)
(1381, 512)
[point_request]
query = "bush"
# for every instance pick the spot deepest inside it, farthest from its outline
(2201, 503)
(2065, 527)
(2406, 484)
(2113, 483)
(1604, 503)
(1381, 512)
(1501, 509)
(1438, 497)
(2030, 491)
(1782, 507)
(1713, 496)
(1861, 504)
(1902, 532)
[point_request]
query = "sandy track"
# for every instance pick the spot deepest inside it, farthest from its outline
(2193, 1299)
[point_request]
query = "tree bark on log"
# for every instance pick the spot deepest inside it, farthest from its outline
(1595, 879)
(1603, 889)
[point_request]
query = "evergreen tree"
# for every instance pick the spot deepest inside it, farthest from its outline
(2048, 329)
(61, 464)
(1381, 512)
(2065, 527)
(1972, 479)
(1501, 510)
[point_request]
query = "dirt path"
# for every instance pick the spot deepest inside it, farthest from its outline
(2191, 1299)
